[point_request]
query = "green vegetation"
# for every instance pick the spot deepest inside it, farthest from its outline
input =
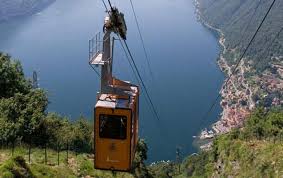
(232, 18)
(26, 128)
(15, 167)
(80, 165)
(23, 116)
(77, 165)
(256, 150)
(139, 167)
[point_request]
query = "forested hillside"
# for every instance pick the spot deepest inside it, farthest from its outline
(238, 20)
(14, 8)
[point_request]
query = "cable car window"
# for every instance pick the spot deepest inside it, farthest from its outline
(112, 126)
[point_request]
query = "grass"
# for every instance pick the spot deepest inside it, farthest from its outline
(86, 167)
(229, 158)
(15, 167)
(254, 158)
(80, 165)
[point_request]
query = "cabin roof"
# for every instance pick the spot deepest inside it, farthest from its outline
(113, 101)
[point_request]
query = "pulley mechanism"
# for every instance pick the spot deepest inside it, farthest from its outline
(116, 22)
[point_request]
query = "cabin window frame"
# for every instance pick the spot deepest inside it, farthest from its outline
(111, 135)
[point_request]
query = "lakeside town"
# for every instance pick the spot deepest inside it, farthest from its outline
(241, 94)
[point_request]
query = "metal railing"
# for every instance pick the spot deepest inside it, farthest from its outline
(95, 46)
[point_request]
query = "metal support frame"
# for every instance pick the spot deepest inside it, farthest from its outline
(101, 54)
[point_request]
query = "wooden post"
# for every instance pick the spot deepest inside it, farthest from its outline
(67, 151)
(29, 149)
(58, 153)
(178, 158)
(76, 149)
(45, 152)
(13, 147)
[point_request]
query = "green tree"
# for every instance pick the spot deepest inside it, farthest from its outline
(21, 107)
(23, 114)
(11, 118)
(33, 113)
(274, 124)
(139, 168)
(83, 139)
(12, 78)
(254, 125)
(49, 129)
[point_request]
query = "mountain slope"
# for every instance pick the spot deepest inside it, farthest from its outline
(238, 20)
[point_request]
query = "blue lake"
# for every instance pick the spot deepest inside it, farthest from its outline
(182, 54)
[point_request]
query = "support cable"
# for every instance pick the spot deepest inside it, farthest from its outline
(105, 5)
(129, 61)
(135, 69)
(95, 70)
(143, 84)
(142, 40)
(137, 75)
(110, 5)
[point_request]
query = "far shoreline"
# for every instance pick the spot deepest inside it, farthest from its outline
(26, 13)
(234, 111)
(205, 133)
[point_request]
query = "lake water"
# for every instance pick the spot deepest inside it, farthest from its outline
(183, 59)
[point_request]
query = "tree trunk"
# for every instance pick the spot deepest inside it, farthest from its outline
(45, 152)
(67, 151)
(76, 149)
(58, 154)
(13, 147)
(29, 149)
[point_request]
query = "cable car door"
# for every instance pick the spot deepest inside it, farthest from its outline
(112, 138)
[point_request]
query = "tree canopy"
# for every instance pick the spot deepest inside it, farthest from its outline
(24, 116)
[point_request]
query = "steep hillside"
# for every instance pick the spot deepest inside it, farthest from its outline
(254, 151)
(15, 8)
(238, 20)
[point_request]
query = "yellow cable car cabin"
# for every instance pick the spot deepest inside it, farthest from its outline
(117, 107)
(116, 131)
